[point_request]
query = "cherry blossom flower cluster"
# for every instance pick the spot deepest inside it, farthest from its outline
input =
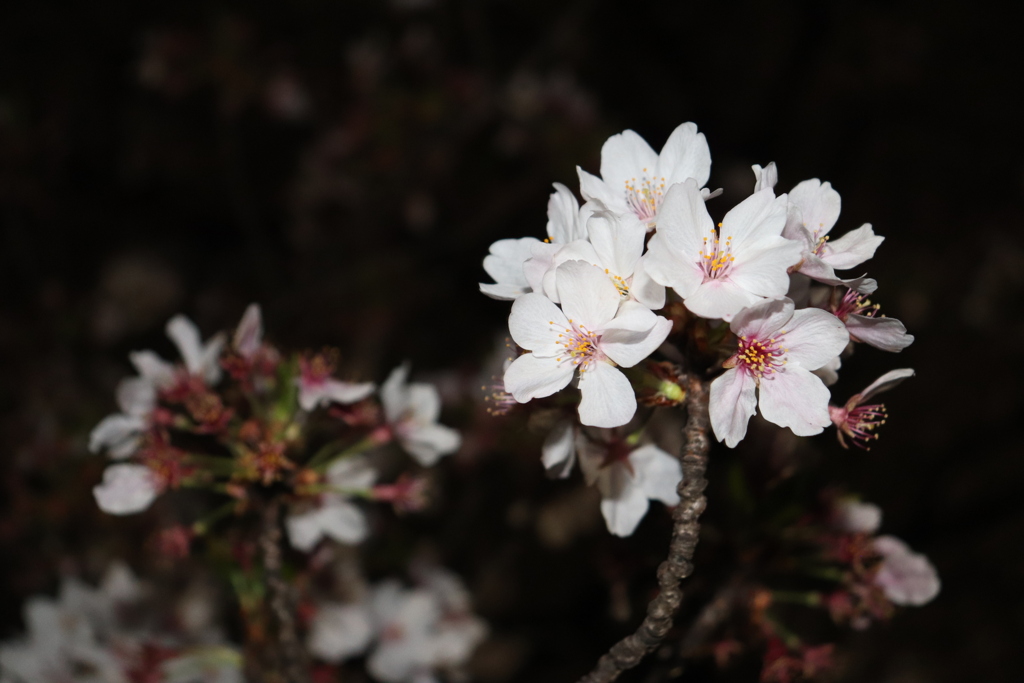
(109, 634)
(751, 302)
(409, 635)
(246, 421)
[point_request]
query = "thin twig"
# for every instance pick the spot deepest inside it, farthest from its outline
(290, 657)
(628, 652)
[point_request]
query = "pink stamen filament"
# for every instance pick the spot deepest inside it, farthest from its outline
(580, 345)
(645, 197)
(716, 259)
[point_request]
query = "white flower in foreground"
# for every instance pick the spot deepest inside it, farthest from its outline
(339, 631)
(126, 489)
(337, 517)
(627, 479)
(865, 325)
(201, 360)
(615, 245)
(634, 179)
(778, 349)
(907, 578)
(411, 410)
(719, 273)
(594, 334)
(857, 420)
(814, 210)
(318, 388)
(518, 265)
(121, 433)
(856, 517)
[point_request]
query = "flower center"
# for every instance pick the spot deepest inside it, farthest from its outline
(859, 423)
(716, 258)
(580, 346)
(620, 283)
(760, 357)
(854, 303)
(645, 197)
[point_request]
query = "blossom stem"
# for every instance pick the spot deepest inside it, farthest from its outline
(629, 651)
(330, 453)
(807, 598)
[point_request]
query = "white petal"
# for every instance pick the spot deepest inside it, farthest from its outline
(344, 522)
(424, 403)
(618, 243)
(859, 518)
(503, 292)
(685, 155)
(907, 578)
(558, 452)
(684, 221)
(623, 514)
(763, 319)
(762, 267)
(814, 337)
(627, 347)
(249, 334)
(535, 323)
(531, 376)
(645, 290)
(505, 261)
(125, 489)
(153, 367)
(732, 403)
(608, 398)
(795, 398)
(305, 530)
(353, 473)
(136, 396)
(429, 442)
(564, 224)
(626, 156)
(887, 334)
(593, 188)
(393, 393)
(339, 632)
(210, 359)
(886, 382)
(311, 394)
(829, 372)
(115, 431)
(819, 205)
(540, 262)
(853, 248)
(760, 215)
(765, 178)
(820, 271)
(185, 335)
(658, 473)
(671, 268)
(348, 392)
(580, 250)
(588, 296)
(719, 299)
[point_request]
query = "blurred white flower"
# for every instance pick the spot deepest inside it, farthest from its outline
(412, 410)
(126, 489)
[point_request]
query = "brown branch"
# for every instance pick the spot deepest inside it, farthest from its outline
(288, 657)
(628, 652)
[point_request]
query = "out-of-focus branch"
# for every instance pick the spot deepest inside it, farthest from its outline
(628, 652)
(289, 658)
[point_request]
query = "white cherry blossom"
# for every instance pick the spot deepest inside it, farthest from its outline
(558, 452)
(126, 488)
(853, 516)
(865, 324)
(628, 478)
(858, 420)
(120, 434)
(318, 388)
(591, 332)
(635, 179)
(717, 273)
(336, 516)
(518, 265)
(201, 360)
(814, 208)
(615, 244)
(248, 337)
(907, 578)
(411, 410)
(778, 349)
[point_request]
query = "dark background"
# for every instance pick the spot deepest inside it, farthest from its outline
(348, 164)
